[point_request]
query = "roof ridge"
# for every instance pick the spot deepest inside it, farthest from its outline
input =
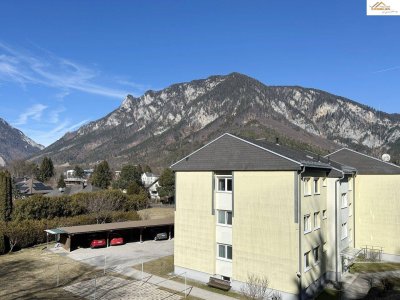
(369, 156)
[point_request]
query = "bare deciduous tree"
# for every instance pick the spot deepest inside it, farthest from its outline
(101, 206)
(257, 288)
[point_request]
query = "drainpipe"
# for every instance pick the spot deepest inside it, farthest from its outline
(336, 228)
(299, 274)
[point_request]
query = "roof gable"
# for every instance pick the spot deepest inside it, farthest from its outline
(230, 153)
(365, 164)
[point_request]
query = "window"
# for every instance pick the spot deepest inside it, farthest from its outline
(225, 251)
(350, 235)
(307, 188)
(350, 210)
(224, 217)
(225, 184)
(317, 220)
(316, 185)
(324, 215)
(344, 200)
(324, 181)
(307, 223)
(307, 265)
(316, 254)
(344, 231)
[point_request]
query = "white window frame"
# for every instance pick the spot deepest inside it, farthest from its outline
(307, 186)
(307, 221)
(350, 183)
(324, 181)
(317, 220)
(316, 187)
(350, 234)
(226, 179)
(226, 217)
(324, 214)
(307, 259)
(317, 258)
(344, 233)
(225, 247)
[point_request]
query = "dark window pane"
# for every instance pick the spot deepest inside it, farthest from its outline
(229, 254)
(221, 251)
(229, 220)
(229, 184)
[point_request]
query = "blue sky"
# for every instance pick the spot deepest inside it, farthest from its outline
(64, 63)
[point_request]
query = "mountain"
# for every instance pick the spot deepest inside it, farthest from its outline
(14, 144)
(161, 126)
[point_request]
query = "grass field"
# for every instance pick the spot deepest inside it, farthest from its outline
(156, 213)
(32, 274)
(163, 267)
(373, 267)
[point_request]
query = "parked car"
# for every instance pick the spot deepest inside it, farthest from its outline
(116, 239)
(161, 236)
(97, 242)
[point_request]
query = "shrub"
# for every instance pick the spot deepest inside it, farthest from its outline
(26, 233)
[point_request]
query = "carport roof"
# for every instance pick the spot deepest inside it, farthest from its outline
(114, 226)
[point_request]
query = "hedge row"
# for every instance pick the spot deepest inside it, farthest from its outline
(40, 207)
(27, 233)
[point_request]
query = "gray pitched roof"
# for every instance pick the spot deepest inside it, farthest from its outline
(364, 164)
(231, 153)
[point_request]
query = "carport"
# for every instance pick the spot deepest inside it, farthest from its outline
(74, 236)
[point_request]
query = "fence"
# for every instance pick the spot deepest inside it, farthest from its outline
(97, 279)
(372, 253)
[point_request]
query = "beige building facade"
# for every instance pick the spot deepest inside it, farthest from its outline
(260, 209)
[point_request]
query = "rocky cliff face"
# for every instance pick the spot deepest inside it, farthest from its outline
(14, 144)
(160, 126)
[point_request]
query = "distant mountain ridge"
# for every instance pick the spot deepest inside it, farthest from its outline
(160, 126)
(14, 144)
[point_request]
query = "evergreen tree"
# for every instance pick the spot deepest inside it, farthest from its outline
(167, 184)
(133, 189)
(61, 182)
(129, 174)
(5, 205)
(46, 170)
(79, 172)
(5, 196)
(146, 169)
(102, 176)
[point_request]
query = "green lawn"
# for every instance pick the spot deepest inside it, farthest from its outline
(373, 267)
(164, 266)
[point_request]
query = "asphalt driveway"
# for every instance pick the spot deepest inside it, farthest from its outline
(122, 256)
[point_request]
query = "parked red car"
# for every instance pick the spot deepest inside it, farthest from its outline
(98, 242)
(116, 240)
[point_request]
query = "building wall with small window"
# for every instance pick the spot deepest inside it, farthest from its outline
(265, 235)
(313, 204)
(377, 212)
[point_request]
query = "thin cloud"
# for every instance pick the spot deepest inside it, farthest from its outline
(386, 70)
(47, 137)
(52, 71)
(34, 112)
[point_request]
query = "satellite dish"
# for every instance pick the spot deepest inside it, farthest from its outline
(386, 157)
